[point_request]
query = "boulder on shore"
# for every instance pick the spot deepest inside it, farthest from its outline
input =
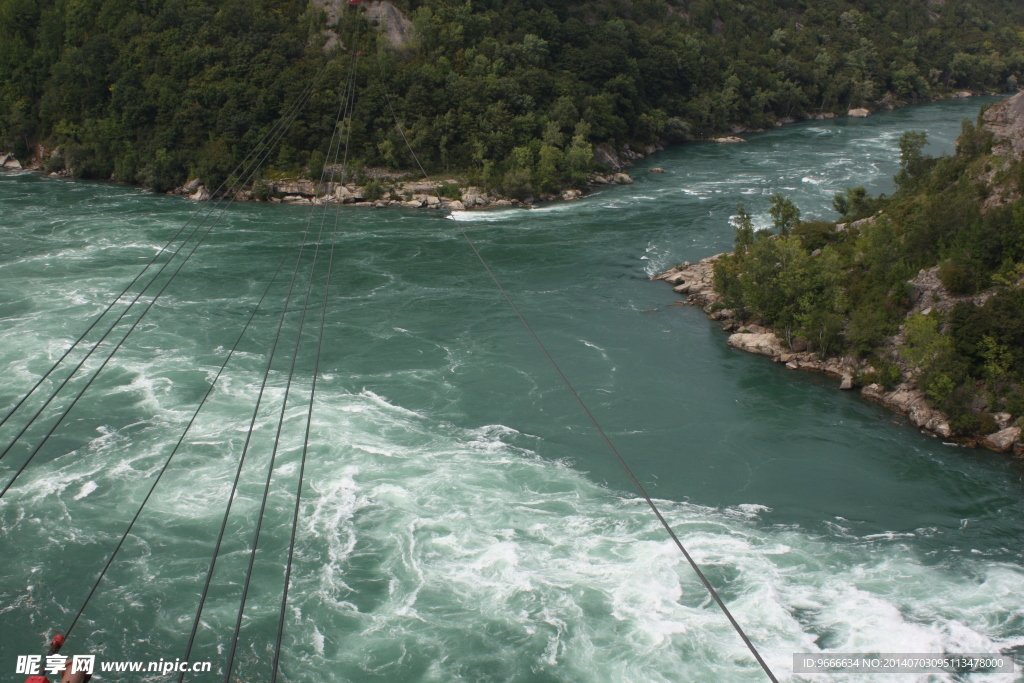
(200, 195)
(910, 401)
(766, 344)
(859, 113)
(1003, 440)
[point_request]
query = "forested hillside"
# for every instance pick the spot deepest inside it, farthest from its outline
(512, 93)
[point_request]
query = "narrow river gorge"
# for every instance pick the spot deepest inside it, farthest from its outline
(461, 521)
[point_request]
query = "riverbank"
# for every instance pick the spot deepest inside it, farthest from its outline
(923, 288)
(435, 418)
(383, 188)
(696, 281)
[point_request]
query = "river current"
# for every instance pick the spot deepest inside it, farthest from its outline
(461, 521)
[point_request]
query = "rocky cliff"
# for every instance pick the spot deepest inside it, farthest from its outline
(388, 18)
(1006, 121)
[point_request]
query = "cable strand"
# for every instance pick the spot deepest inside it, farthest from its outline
(125, 312)
(160, 474)
(164, 248)
(96, 374)
(309, 421)
(284, 403)
(245, 449)
(604, 437)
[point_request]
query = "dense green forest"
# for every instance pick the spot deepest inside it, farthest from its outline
(848, 291)
(511, 93)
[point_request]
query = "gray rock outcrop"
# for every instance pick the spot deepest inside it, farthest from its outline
(1003, 440)
(200, 195)
(396, 27)
(696, 281)
(389, 19)
(911, 402)
(927, 292)
(765, 344)
(1006, 121)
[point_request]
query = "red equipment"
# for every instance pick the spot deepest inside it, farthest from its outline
(55, 645)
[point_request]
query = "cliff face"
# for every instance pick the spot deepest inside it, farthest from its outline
(389, 20)
(1006, 121)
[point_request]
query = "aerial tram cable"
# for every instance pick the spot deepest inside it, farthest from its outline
(276, 132)
(309, 423)
(149, 306)
(347, 100)
(273, 458)
(177, 446)
(167, 462)
(604, 437)
(234, 487)
(245, 450)
(298, 103)
(280, 133)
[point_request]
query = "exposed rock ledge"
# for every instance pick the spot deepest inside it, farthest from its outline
(1006, 121)
(410, 194)
(696, 282)
(8, 161)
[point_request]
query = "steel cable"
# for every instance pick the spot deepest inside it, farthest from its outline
(309, 421)
(227, 511)
(284, 404)
(164, 248)
(160, 474)
(604, 437)
(149, 306)
(81, 363)
(245, 450)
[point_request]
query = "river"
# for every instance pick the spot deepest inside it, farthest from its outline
(461, 520)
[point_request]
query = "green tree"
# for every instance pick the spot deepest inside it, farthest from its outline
(913, 162)
(744, 229)
(785, 215)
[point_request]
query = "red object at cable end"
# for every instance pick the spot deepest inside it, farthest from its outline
(58, 640)
(37, 679)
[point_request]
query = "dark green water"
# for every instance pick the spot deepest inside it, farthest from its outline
(461, 520)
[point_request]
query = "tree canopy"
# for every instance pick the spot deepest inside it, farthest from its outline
(847, 287)
(512, 93)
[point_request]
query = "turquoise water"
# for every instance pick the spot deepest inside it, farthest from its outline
(461, 520)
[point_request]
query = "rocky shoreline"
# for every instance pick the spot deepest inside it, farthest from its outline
(696, 281)
(424, 194)
(427, 194)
